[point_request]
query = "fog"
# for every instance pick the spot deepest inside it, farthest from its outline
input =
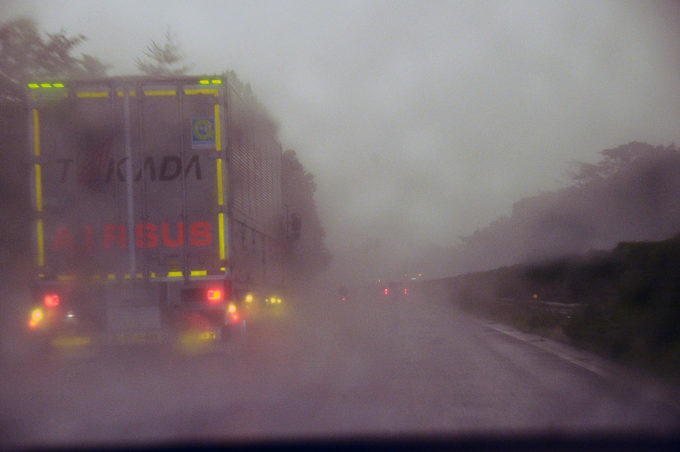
(440, 135)
(372, 368)
(422, 121)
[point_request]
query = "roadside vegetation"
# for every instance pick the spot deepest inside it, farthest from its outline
(623, 304)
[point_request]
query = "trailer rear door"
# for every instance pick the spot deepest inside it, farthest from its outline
(129, 179)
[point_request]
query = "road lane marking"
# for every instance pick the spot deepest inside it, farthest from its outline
(651, 388)
(544, 344)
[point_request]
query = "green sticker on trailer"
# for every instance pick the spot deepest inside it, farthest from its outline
(203, 133)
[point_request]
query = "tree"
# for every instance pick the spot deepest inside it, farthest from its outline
(242, 89)
(25, 54)
(166, 59)
(632, 193)
(616, 160)
(307, 256)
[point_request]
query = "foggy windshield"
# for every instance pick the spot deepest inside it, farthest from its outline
(267, 220)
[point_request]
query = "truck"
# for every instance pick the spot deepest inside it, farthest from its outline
(156, 207)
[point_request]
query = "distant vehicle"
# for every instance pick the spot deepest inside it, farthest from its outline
(156, 203)
(395, 289)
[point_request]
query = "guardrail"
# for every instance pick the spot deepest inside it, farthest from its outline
(548, 306)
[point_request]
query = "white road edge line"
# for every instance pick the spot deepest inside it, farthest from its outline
(656, 394)
(543, 346)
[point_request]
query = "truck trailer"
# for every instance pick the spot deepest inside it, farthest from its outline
(157, 205)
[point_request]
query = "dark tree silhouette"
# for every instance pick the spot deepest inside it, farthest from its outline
(633, 193)
(165, 59)
(25, 54)
(307, 256)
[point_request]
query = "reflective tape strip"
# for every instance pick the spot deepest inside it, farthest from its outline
(220, 227)
(160, 92)
(65, 277)
(92, 94)
(208, 91)
(174, 274)
(111, 276)
(199, 272)
(38, 188)
(36, 133)
(131, 93)
(41, 243)
(218, 129)
(220, 185)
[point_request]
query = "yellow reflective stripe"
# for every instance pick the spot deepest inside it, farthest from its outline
(218, 129)
(220, 186)
(65, 277)
(131, 93)
(111, 276)
(160, 92)
(208, 91)
(220, 227)
(41, 243)
(174, 274)
(91, 94)
(36, 132)
(38, 188)
(199, 272)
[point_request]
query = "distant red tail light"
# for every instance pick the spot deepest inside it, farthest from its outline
(235, 317)
(405, 290)
(51, 300)
(214, 295)
(387, 291)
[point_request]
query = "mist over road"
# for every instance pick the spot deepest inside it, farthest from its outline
(367, 366)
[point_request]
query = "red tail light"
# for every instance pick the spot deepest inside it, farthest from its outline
(51, 300)
(235, 317)
(387, 291)
(405, 291)
(214, 295)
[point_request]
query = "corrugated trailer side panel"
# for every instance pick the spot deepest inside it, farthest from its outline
(255, 203)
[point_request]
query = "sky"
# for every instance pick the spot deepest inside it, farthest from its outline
(422, 121)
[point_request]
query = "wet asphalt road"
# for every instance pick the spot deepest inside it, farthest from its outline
(370, 366)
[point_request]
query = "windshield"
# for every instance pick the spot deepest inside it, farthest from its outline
(228, 221)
